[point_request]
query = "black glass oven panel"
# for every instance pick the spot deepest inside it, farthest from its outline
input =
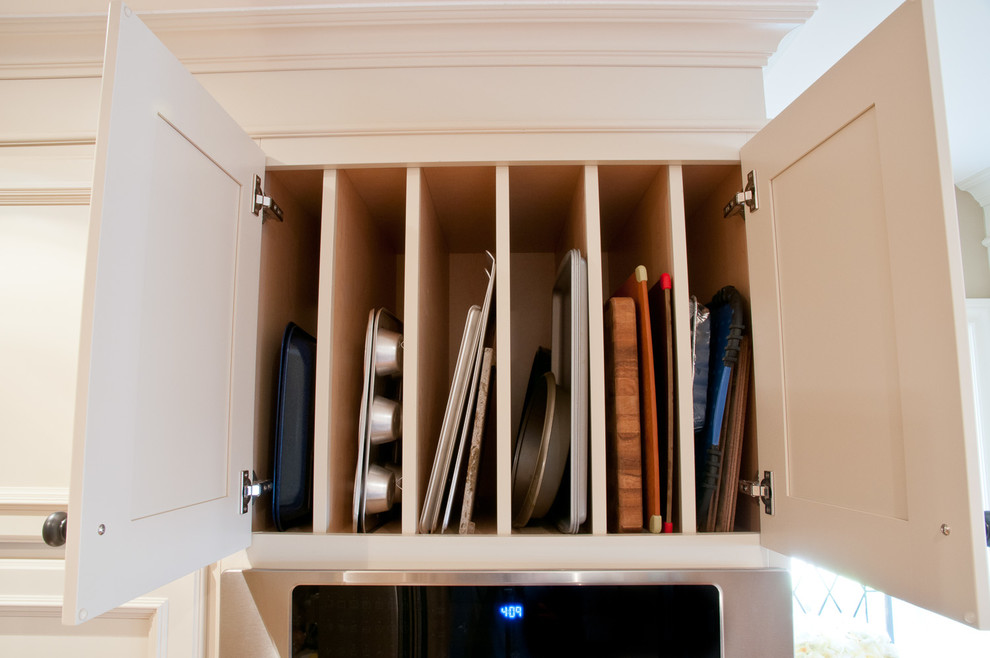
(497, 621)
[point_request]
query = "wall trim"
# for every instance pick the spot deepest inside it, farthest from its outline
(33, 499)
(272, 62)
(23, 510)
(422, 34)
(39, 606)
(50, 605)
(37, 141)
(677, 126)
(979, 186)
(36, 592)
(687, 126)
(434, 12)
(45, 196)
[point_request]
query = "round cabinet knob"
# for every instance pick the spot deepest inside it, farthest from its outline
(53, 531)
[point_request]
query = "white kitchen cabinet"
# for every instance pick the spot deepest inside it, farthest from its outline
(861, 407)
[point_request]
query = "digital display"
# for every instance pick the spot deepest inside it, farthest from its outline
(501, 621)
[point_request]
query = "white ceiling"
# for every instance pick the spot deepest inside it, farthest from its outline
(964, 47)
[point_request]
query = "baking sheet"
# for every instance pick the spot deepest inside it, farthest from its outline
(451, 422)
(569, 364)
(475, 380)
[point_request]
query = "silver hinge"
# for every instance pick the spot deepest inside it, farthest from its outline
(745, 199)
(252, 488)
(265, 202)
(762, 490)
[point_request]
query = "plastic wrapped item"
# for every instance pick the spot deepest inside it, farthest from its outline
(701, 333)
(727, 324)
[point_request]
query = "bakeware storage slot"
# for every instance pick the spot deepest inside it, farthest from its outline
(452, 225)
(548, 213)
(716, 257)
(365, 209)
(289, 291)
(637, 231)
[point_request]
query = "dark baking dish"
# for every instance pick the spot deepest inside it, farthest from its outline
(292, 500)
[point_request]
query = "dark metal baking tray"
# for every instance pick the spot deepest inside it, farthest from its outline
(292, 500)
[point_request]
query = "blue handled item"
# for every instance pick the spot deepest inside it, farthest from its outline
(727, 325)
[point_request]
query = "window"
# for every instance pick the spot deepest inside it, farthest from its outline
(835, 616)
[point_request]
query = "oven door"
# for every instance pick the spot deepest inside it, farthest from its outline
(531, 613)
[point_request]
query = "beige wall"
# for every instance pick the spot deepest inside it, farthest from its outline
(42, 253)
(972, 231)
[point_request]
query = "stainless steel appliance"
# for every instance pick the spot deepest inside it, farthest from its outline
(522, 613)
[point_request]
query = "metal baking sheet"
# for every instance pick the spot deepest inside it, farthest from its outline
(472, 393)
(569, 364)
(451, 421)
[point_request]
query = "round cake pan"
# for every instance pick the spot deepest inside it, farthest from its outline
(541, 451)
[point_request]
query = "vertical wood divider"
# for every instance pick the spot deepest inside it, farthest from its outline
(410, 366)
(324, 356)
(682, 342)
(503, 341)
(596, 354)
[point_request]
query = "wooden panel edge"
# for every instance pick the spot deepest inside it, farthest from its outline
(410, 368)
(596, 353)
(503, 339)
(324, 356)
(682, 352)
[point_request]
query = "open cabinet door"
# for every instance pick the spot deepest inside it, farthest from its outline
(866, 414)
(164, 409)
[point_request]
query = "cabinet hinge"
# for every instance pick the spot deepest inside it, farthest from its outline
(252, 488)
(266, 203)
(762, 489)
(745, 199)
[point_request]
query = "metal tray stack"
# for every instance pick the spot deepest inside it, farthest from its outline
(569, 365)
(458, 415)
(550, 457)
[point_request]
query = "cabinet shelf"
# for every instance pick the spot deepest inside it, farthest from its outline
(393, 552)
(414, 240)
(717, 256)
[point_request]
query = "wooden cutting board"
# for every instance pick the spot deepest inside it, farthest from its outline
(622, 428)
(662, 319)
(635, 287)
(474, 457)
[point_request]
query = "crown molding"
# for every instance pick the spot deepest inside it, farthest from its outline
(979, 186)
(420, 34)
(276, 132)
(706, 126)
(438, 11)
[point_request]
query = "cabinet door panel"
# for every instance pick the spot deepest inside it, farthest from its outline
(165, 394)
(865, 398)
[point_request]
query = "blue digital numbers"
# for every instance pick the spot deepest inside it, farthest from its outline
(511, 611)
